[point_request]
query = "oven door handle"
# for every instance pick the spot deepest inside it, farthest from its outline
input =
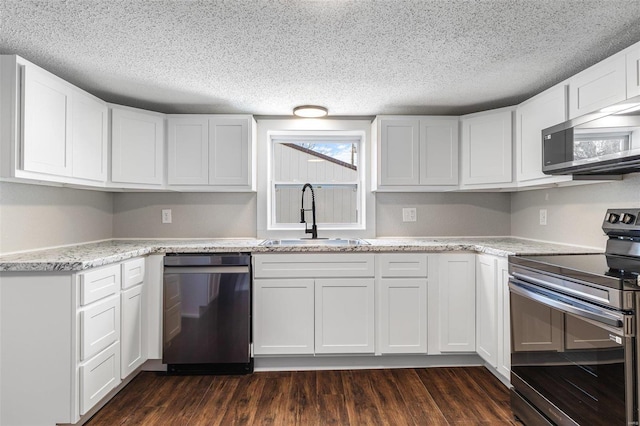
(577, 308)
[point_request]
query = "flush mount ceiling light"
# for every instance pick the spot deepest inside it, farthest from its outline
(310, 111)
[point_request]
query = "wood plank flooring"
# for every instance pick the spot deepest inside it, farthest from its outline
(432, 396)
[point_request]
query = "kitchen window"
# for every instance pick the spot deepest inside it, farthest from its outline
(332, 163)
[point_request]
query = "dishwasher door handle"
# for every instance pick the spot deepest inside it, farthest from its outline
(206, 269)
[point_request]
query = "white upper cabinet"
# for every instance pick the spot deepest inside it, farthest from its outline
(416, 153)
(599, 86)
(633, 71)
(137, 146)
(89, 133)
(51, 130)
(487, 149)
(216, 151)
(188, 150)
(439, 151)
(532, 116)
(46, 123)
(399, 152)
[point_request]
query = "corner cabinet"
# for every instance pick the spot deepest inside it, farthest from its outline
(416, 153)
(532, 117)
(51, 130)
(137, 147)
(211, 152)
(322, 304)
(486, 142)
(93, 327)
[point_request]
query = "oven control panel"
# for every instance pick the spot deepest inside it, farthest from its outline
(623, 222)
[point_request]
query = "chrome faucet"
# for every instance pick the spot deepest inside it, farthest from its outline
(314, 229)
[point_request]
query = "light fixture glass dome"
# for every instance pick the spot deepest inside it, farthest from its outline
(310, 111)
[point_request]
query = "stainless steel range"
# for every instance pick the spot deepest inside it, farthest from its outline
(574, 325)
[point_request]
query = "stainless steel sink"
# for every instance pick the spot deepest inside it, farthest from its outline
(332, 242)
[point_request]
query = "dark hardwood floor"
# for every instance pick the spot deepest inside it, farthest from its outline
(432, 396)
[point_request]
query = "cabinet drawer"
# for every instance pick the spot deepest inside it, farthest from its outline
(132, 272)
(100, 326)
(99, 376)
(99, 283)
(306, 265)
(403, 265)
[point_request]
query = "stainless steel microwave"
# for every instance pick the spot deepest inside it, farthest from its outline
(605, 142)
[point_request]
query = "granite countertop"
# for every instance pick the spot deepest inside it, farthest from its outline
(84, 256)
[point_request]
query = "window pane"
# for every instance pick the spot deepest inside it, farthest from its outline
(315, 162)
(334, 204)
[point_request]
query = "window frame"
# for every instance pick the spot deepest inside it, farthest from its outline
(356, 136)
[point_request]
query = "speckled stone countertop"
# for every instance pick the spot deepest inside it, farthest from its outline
(84, 256)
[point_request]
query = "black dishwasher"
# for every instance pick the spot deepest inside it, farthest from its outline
(207, 314)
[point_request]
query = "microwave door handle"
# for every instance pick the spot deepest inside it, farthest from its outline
(601, 317)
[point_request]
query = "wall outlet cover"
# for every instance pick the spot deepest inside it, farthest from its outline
(166, 215)
(543, 216)
(409, 214)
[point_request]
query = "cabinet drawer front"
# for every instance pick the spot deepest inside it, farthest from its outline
(98, 377)
(313, 265)
(132, 272)
(99, 283)
(100, 326)
(403, 265)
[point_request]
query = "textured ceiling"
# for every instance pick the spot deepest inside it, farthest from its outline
(356, 57)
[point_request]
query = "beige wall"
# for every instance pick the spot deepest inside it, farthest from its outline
(444, 214)
(195, 215)
(33, 216)
(574, 214)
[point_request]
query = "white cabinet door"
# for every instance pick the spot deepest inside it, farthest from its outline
(283, 316)
(439, 151)
(487, 147)
(89, 120)
(504, 328)
(99, 326)
(598, 86)
(454, 305)
(403, 315)
(132, 342)
(188, 153)
(98, 376)
(137, 146)
(633, 72)
(344, 315)
(541, 112)
(229, 151)
(46, 123)
(486, 309)
(399, 152)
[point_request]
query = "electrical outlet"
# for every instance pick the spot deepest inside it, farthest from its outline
(409, 214)
(166, 215)
(543, 216)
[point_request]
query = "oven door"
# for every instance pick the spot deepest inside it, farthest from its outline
(572, 361)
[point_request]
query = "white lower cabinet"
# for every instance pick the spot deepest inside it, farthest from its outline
(344, 315)
(99, 376)
(451, 304)
(313, 304)
(493, 340)
(486, 308)
(402, 303)
(93, 332)
(133, 343)
(283, 316)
